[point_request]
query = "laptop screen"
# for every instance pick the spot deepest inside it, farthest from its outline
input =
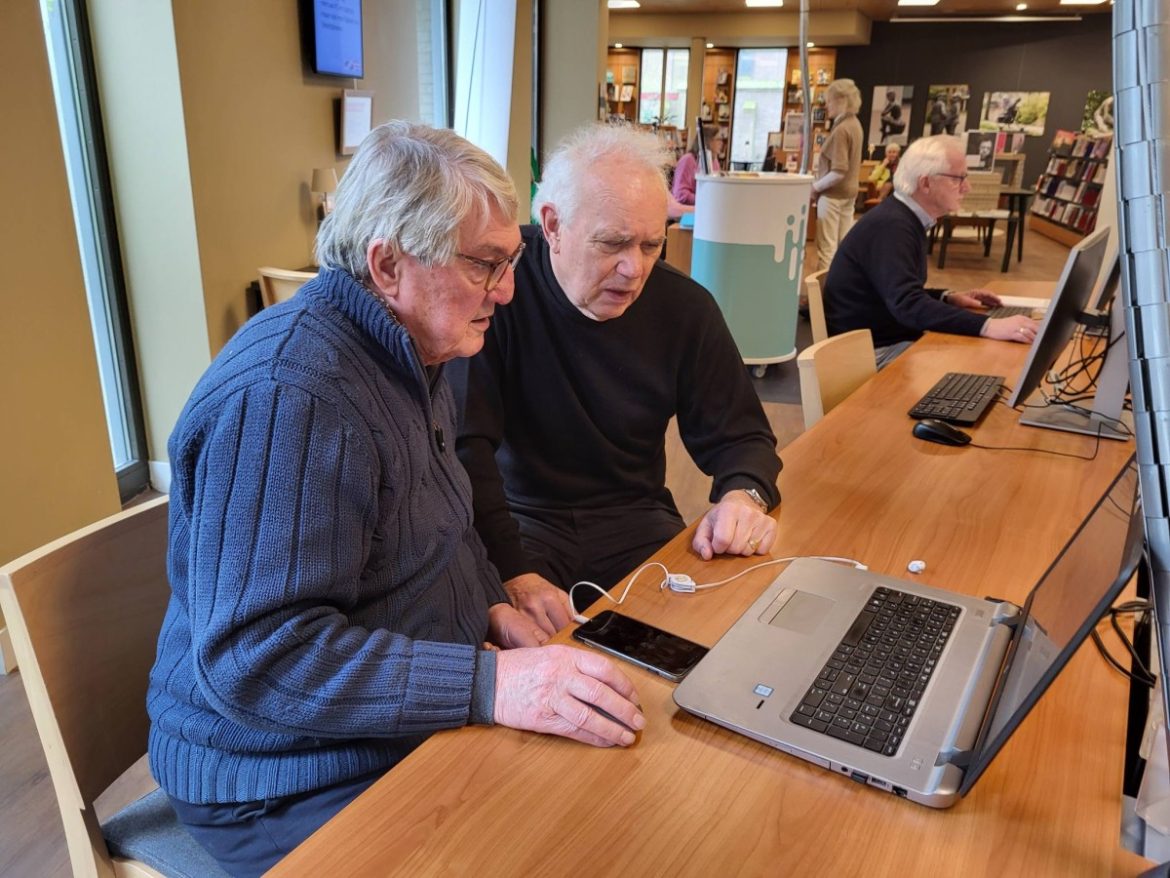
(1065, 604)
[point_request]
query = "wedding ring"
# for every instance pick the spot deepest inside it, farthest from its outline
(753, 544)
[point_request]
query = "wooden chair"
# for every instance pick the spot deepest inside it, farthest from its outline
(979, 210)
(278, 284)
(84, 614)
(832, 369)
(816, 304)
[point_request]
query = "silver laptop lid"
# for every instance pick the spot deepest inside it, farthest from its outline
(1071, 596)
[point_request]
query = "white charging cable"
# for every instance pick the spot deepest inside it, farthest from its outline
(681, 583)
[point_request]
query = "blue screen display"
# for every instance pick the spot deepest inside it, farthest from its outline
(337, 37)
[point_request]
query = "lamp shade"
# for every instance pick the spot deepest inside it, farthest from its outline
(324, 180)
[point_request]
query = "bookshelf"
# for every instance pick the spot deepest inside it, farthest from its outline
(719, 94)
(822, 65)
(622, 75)
(1068, 193)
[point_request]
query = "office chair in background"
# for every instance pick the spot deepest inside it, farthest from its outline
(278, 284)
(832, 369)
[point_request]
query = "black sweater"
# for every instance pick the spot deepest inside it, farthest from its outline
(562, 411)
(877, 281)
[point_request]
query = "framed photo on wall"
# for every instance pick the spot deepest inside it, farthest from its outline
(357, 119)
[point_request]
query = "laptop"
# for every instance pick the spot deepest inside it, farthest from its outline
(819, 666)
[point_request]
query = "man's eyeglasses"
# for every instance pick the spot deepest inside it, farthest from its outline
(962, 178)
(493, 269)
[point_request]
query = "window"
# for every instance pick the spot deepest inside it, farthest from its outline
(663, 100)
(75, 90)
(759, 99)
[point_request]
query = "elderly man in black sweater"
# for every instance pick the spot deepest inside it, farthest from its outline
(565, 410)
(877, 280)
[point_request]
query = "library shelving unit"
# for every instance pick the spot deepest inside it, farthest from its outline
(1068, 193)
(822, 64)
(623, 69)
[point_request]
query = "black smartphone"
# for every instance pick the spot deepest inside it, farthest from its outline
(660, 651)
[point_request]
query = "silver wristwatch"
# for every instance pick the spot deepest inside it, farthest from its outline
(756, 498)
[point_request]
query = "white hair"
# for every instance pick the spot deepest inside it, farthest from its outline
(411, 186)
(924, 157)
(566, 181)
(847, 91)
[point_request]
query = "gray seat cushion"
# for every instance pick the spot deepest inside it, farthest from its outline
(148, 830)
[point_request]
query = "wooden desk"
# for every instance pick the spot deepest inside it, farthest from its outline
(691, 798)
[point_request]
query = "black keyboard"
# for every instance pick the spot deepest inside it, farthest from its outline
(958, 397)
(1009, 311)
(867, 692)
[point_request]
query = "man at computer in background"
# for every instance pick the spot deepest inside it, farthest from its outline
(877, 280)
(566, 408)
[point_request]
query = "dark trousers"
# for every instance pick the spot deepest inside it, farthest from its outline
(249, 838)
(598, 545)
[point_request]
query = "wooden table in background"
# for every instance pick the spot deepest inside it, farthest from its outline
(691, 798)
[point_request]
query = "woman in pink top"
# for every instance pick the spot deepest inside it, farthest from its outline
(683, 187)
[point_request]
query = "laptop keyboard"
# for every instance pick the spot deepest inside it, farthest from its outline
(1009, 311)
(867, 692)
(959, 397)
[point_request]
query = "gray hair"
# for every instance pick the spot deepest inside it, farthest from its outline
(411, 186)
(924, 157)
(566, 181)
(846, 90)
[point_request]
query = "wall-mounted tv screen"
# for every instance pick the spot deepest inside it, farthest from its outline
(335, 30)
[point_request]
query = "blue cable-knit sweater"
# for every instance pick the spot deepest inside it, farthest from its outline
(329, 592)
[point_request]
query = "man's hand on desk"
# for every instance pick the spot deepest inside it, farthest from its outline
(509, 628)
(1019, 328)
(734, 526)
(974, 299)
(554, 690)
(540, 601)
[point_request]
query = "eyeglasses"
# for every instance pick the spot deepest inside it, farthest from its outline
(962, 178)
(493, 269)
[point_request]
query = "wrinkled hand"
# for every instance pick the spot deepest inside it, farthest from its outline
(540, 601)
(551, 691)
(734, 526)
(508, 628)
(974, 299)
(1018, 328)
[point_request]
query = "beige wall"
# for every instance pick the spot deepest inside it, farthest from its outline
(56, 469)
(520, 119)
(574, 39)
(258, 122)
(138, 76)
(845, 27)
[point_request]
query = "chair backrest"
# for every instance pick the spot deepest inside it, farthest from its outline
(278, 284)
(832, 369)
(84, 613)
(984, 193)
(816, 304)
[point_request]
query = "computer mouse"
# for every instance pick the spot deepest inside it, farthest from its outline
(933, 430)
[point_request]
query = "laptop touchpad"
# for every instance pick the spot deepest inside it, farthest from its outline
(797, 610)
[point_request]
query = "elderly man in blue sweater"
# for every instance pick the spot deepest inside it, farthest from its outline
(877, 280)
(332, 605)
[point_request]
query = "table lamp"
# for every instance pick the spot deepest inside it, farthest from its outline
(325, 182)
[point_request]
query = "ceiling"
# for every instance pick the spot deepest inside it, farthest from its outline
(876, 10)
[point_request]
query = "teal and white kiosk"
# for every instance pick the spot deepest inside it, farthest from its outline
(749, 252)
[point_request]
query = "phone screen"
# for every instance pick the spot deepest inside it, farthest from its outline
(659, 651)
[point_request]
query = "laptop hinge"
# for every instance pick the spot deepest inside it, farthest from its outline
(1008, 614)
(958, 758)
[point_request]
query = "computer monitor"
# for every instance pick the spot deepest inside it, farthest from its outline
(704, 164)
(1065, 313)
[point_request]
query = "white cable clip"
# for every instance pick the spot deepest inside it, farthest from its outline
(680, 582)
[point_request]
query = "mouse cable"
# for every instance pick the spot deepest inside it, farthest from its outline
(681, 583)
(1093, 456)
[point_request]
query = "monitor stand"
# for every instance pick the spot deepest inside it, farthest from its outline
(1101, 419)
